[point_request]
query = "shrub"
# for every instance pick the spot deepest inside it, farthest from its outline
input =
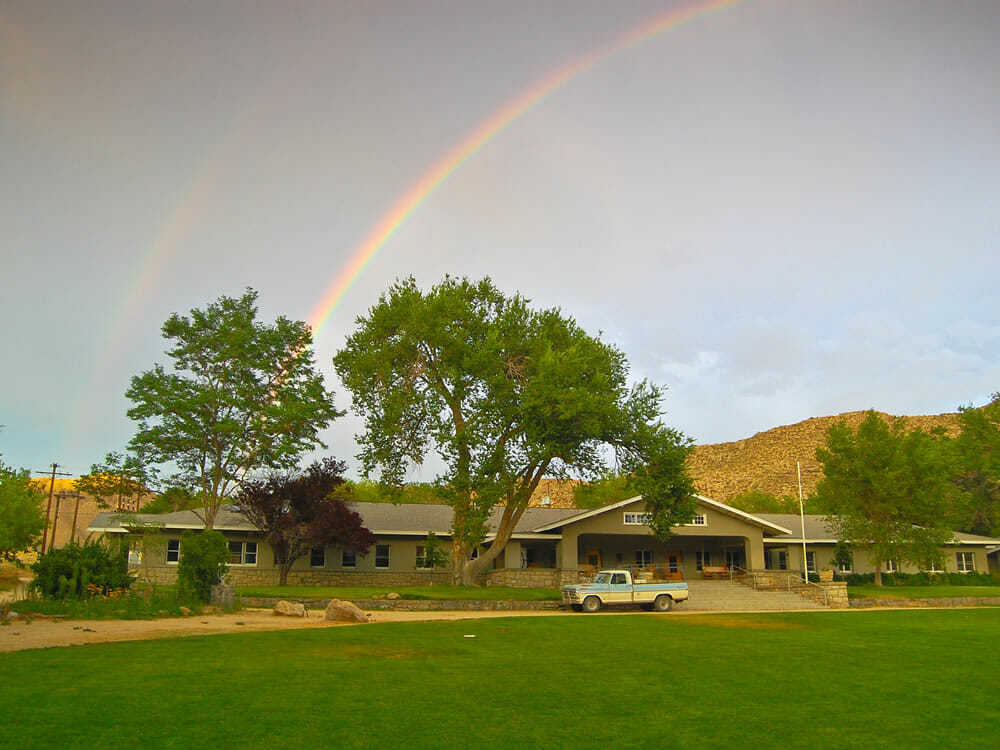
(202, 563)
(80, 571)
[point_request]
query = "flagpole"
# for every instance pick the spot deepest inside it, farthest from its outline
(802, 520)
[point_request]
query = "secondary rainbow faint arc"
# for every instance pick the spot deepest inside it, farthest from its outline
(483, 134)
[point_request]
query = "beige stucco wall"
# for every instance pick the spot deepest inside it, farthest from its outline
(862, 562)
(608, 533)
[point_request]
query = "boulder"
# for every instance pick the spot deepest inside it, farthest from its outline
(186, 612)
(340, 611)
(290, 609)
(393, 595)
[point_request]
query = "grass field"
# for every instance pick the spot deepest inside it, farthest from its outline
(405, 592)
(871, 591)
(829, 679)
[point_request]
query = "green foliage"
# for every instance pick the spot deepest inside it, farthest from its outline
(242, 396)
(202, 565)
(22, 519)
(978, 467)
(842, 556)
(505, 395)
(434, 556)
(173, 499)
(134, 604)
(79, 571)
(924, 579)
(888, 489)
(604, 491)
(121, 476)
(367, 491)
(757, 501)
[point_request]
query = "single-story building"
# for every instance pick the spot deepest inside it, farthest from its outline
(549, 547)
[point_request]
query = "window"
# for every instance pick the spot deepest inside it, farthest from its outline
(422, 561)
(637, 519)
(965, 562)
(381, 555)
(348, 559)
(701, 559)
(890, 566)
(699, 520)
(317, 557)
(243, 553)
(810, 562)
(173, 551)
(644, 557)
(935, 567)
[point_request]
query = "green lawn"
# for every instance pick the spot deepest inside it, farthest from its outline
(883, 679)
(405, 592)
(871, 591)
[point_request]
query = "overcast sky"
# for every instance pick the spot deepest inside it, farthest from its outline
(782, 209)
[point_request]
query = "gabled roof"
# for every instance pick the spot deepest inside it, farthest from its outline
(707, 502)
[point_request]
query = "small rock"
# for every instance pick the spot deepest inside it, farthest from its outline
(290, 609)
(185, 611)
(340, 611)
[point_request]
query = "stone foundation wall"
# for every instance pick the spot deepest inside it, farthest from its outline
(269, 577)
(532, 578)
(831, 593)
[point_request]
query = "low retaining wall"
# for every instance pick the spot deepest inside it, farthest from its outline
(949, 601)
(532, 578)
(270, 577)
(411, 605)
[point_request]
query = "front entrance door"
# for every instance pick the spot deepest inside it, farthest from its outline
(675, 564)
(594, 559)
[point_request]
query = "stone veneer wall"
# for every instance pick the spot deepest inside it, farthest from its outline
(541, 578)
(269, 577)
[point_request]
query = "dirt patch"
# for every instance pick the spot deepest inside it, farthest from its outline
(44, 632)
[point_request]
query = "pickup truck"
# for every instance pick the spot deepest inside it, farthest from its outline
(616, 587)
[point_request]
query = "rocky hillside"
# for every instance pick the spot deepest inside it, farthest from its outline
(766, 461)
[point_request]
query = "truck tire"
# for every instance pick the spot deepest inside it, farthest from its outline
(663, 603)
(591, 604)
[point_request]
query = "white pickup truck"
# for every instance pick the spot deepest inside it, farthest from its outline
(616, 587)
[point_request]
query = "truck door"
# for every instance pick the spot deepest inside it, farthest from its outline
(621, 590)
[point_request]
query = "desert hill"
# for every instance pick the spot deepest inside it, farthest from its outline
(766, 461)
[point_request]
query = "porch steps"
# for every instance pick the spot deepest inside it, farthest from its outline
(731, 596)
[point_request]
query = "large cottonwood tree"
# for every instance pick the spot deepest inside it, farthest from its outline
(505, 395)
(888, 489)
(241, 396)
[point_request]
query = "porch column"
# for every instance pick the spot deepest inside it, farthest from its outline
(512, 555)
(567, 553)
(754, 547)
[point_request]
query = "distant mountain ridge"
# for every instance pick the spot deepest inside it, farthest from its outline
(766, 461)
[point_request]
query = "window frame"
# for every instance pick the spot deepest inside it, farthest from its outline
(313, 555)
(965, 562)
(641, 558)
(702, 558)
(344, 558)
(173, 546)
(379, 556)
(699, 519)
(247, 556)
(635, 518)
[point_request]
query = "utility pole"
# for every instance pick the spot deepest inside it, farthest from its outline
(48, 508)
(76, 512)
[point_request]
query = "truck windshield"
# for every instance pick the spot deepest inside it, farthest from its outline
(602, 578)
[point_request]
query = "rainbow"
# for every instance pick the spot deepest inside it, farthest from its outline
(489, 129)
